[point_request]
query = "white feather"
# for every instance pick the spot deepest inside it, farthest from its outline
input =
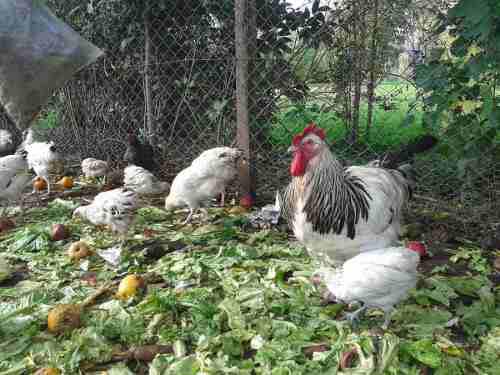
(6, 142)
(94, 167)
(206, 177)
(42, 158)
(14, 177)
(379, 278)
(115, 208)
(143, 181)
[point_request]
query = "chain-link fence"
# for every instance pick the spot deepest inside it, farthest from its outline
(170, 76)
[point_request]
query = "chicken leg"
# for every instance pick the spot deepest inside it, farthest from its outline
(222, 198)
(387, 318)
(190, 215)
(353, 317)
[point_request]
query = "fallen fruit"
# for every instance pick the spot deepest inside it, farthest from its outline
(66, 181)
(59, 232)
(78, 250)
(247, 201)
(39, 184)
(48, 371)
(63, 318)
(130, 286)
(66, 317)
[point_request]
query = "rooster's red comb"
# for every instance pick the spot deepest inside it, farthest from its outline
(312, 128)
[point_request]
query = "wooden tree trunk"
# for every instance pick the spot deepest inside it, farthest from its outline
(357, 66)
(371, 69)
(252, 92)
(242, 110)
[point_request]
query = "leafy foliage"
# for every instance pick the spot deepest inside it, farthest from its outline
(231, 301)
(460, 84)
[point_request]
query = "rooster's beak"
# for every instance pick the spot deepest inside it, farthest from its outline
(291, 149)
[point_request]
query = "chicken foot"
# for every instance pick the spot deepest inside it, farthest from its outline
(189, 217)
(353, 317)
(387, 319)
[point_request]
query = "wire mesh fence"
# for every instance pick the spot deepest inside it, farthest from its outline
(170, 74)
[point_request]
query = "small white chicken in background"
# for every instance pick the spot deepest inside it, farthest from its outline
(7, 146)
(206, 177)
(14, 177)
(42, 157)
(115, 208)
(143, 181)
(378, 279)
(94, 168)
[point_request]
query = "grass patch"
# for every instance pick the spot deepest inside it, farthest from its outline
(392, 126)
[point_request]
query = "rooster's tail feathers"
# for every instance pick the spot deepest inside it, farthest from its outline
(410, 175)
(408, 151)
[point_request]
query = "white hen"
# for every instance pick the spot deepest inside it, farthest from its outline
(94, 167)
(115, 208)
(14, 177)
(206, 177)
(143, 181)
(42, 157)
(7, 146)
(379, 279)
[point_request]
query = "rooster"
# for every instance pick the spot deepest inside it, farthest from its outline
(115, 208)
(205, 178)
(379, 279)
(143, 181)
(42, 157)
(7, 146)
(140, 154)
(337, 213)
(14, 176)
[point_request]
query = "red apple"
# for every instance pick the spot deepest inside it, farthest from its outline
(59, 232)
(417, 246)
(247, 201)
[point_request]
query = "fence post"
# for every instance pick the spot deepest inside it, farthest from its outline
(242, 115)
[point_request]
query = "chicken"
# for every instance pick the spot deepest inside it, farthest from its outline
(337, 213)
(94, 168)
(14, 177)
(7, 146)
(142, 181)
(378, 279)
(205, 178)
(140, 154)
(115, 208)
(42, 157)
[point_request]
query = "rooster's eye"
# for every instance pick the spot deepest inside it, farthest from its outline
(223, 155)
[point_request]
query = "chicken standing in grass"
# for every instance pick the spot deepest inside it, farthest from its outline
(14, 177)
(337, 213)
(94, 168)
(115, 208)
(42, 157)
(378, 279)
(206, 178)
(143, 181)
(7, 146)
